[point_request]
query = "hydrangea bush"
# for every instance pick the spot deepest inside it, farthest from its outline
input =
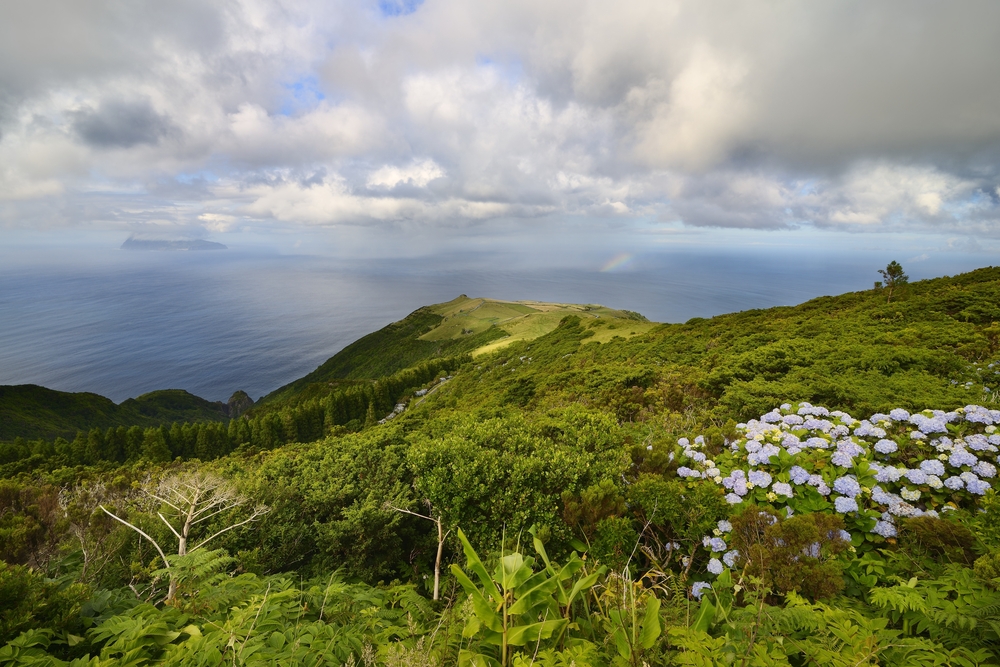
(872, 472)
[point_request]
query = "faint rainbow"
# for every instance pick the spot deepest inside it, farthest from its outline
(619, 261)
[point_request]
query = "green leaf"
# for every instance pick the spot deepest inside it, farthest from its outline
(522, 634)
(650, 624)
(706, 614)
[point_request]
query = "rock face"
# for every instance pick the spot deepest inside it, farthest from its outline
(238, 403)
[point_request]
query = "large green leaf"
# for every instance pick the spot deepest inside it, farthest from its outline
(477, 567)
(522, 634)
(651, 623)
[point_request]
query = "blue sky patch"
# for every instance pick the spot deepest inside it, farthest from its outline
(398, 7)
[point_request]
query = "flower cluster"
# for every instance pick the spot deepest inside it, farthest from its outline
(871, 471)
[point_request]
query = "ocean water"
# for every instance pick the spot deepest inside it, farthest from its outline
(124, 323)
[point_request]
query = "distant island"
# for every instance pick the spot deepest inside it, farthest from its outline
(132, 243)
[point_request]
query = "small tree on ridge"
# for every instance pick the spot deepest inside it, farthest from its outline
(892, 277)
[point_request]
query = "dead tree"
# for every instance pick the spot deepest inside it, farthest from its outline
(442, 536)
(188, 499)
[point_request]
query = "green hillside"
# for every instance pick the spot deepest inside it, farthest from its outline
(806, 485)
(462, 325)
(29, 411)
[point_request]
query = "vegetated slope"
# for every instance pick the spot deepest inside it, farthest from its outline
(30, 411)
(931, 346)
(459, 326)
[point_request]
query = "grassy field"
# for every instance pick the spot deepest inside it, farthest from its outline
(527, 320)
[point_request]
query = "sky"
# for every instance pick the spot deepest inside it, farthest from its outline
(386, 127)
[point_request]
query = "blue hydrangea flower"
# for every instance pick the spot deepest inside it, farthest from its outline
(790, 440)
(792, 420)
(843, 505)
(724, 526)
(977, 487)
(817, 425)
(985, 469)
(888, 474)
(842, 459)
(961, 457)
(916, 476)
(866, 429)
(733, 499)
(954, 483)
(884, 446)
(799, 475)
(931, 467)
(839, 431)
(899, 415)
(929, 424)
(683, 442)
(772, 417)
(684, 471)
(847, 486)
(717, 544)
(715, 566)
(759, 478)
(918, 435)
(885, 529)
(817, 443)
(729, 558)
(699, 588)
(782, 489)
(879, 417)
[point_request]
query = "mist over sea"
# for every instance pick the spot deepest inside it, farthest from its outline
(124, 323)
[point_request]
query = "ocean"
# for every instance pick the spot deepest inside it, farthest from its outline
(123, 323)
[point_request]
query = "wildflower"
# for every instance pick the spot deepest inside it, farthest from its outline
(699, 588)
(729, 558)
(932, 467)
(885, 529)
(799, 475)
(783, 488)
(928, 424)
(715, 566)
(759, 478)
(847, 486)
(984, 469)
(977, 442)
(842, 459)
(977, 487)
(884, 446)
(961, 457)
(888, 474)
(867, 429)
(844, 505)
(839, 431)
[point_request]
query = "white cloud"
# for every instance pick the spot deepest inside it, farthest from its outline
(417, 174)
(844, 115)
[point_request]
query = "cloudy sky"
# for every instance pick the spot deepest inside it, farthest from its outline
(369, 119)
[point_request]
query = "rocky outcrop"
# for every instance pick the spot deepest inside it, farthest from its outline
(238, 403)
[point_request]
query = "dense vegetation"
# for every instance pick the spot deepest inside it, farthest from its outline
(760, 488)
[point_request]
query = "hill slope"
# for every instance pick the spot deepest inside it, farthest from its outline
(30, 411)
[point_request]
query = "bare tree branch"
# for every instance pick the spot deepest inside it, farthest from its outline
(257, 513)
(140, 531)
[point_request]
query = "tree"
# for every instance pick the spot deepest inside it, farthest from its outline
(187, 499)
(442, 536)
(892, 277)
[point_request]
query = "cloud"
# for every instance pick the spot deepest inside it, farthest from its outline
(844, 116)
(119, 124)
